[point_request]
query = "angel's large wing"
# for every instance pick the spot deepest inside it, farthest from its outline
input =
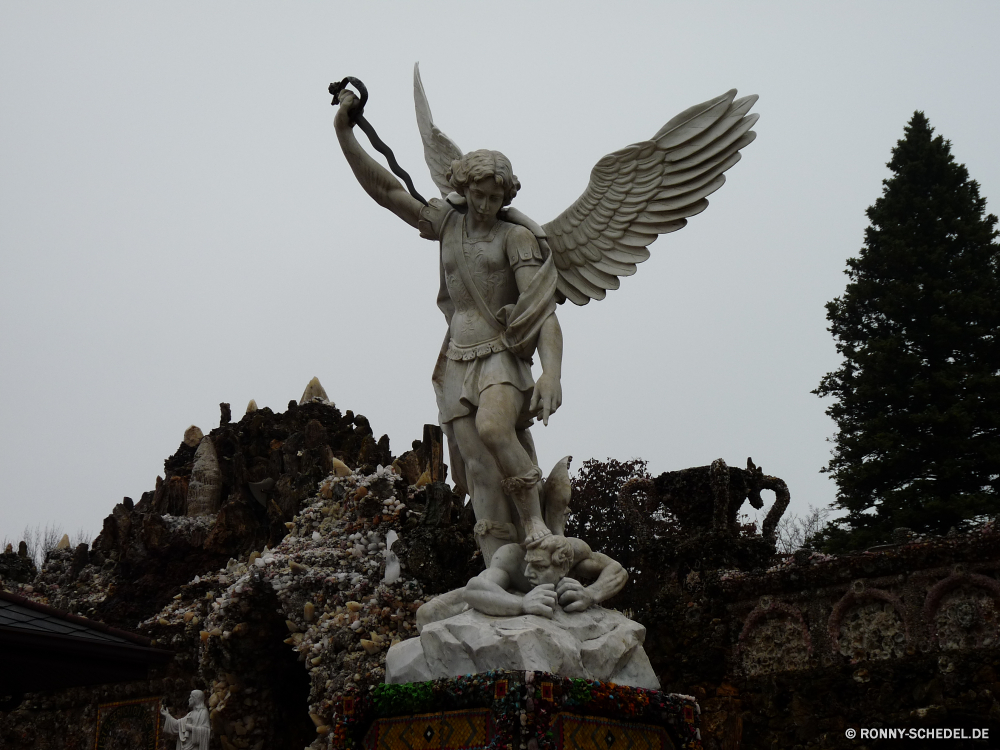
(644, 190)
(439, 150)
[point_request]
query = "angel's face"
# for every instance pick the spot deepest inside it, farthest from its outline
(485, 198)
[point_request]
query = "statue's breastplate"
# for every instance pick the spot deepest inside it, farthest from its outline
(489, 269)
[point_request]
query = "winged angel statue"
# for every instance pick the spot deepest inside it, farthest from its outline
(502, 276)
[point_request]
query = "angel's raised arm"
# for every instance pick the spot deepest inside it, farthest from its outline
(377, 181)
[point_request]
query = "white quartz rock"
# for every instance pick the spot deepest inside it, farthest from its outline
(314, 392)
(392, 568)
(193, 436)
(597, 644)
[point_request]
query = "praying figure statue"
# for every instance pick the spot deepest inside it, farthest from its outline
(194, 730)
(502, 275)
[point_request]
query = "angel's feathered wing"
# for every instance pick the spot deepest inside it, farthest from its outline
(635, 194)
(439, 150)
(645, 190)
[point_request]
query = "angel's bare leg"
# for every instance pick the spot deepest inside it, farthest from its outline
(499, 409)
(528, 443)
(493, 518)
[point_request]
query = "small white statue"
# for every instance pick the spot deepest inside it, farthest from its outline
(194, 730)
(502, 274)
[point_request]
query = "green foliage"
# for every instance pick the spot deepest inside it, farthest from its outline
(411, 697)
(917, 398)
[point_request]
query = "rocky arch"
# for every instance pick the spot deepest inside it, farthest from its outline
(774, 638)
(869, 624)
(963, 611)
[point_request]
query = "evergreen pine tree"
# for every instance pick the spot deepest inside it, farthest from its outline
(917, 398)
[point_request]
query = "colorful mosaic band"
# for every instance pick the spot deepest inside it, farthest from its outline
(595, 733)
(452, 730)
(516, 711)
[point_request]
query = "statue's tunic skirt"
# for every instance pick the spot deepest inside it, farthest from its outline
(464, 380)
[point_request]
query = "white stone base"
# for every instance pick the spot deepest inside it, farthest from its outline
(599, 644)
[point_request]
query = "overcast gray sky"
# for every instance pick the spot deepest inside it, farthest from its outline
(179, 228)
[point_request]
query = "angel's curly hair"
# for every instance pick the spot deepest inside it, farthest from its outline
(558, 549)
(478, 165)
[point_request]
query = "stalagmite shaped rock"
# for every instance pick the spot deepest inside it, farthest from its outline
(205, 488)
(193, 436)
(64, 542)
(340, 469)
(252, 406)
(314, 393)
(260, 489)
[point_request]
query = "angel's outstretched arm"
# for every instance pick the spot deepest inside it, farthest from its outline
(385, 189)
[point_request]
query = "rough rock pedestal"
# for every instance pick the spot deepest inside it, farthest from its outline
(598, 644)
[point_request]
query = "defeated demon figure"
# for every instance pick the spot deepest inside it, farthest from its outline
(533, 581)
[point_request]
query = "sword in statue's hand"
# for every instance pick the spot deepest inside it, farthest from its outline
(358, 118)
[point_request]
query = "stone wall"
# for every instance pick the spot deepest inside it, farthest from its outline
(902, 636)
